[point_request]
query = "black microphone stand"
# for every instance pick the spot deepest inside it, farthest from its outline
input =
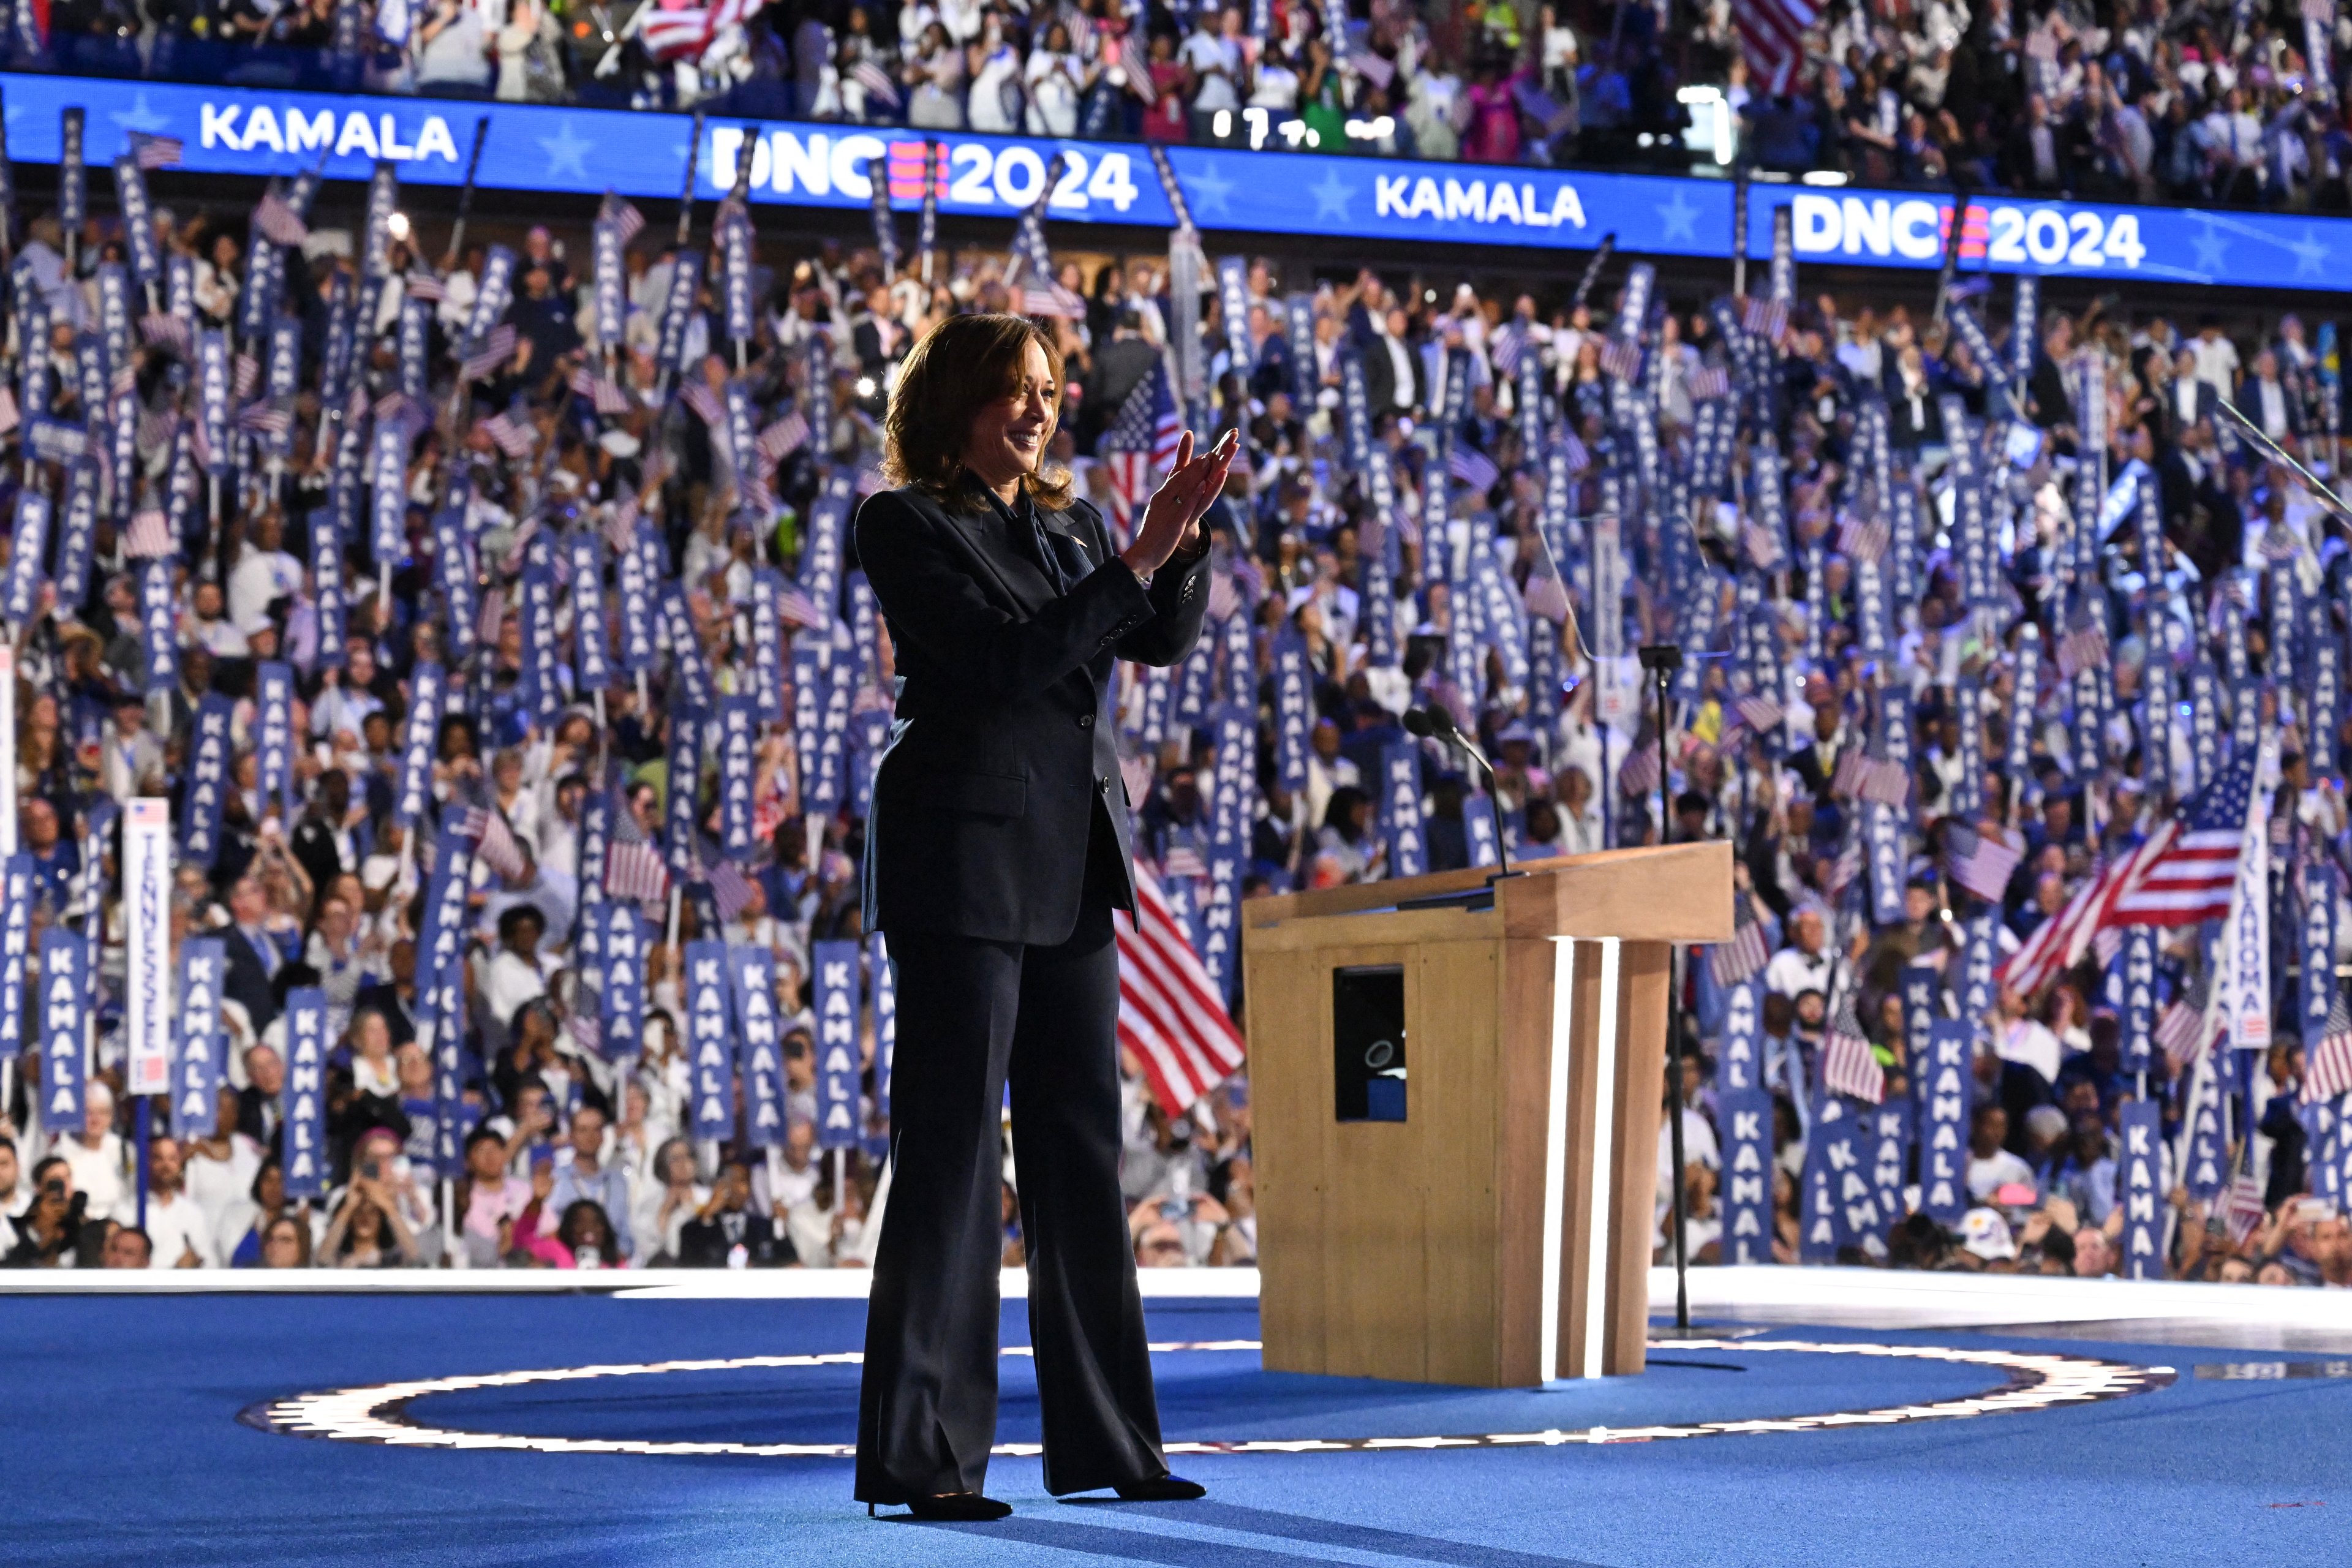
(1435, 724)
(1661, 661)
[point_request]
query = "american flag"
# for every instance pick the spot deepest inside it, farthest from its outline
(2185, 1026)
(391, 405)
(1473, 468)
(150, 152)
(2242, 1206)
(1734, 961)
(490, 619)
(245, 375)
(1579, 457)
(603, 393)
(634, 868)
(1510, 343)
(1620, 357)
(2184, 873)
(796, 609)
(1546, 593)
(1762, 544)
(163, 331)
(1709, 383)
(2084, 647)
(279, 222)
(782, 439)
(424, 288)
(1638, 773)
(264, 419)
(622, 216)
(494, 839)
(1141, 439)
(1224, 597)
(876, 82)
(150, 535)
(1848, 1064)
(1049, 299)
(1169, 1013)
(1863, 777)
(2327, 1072)
(1981, 859)
(511, 436)
(684, 35)
(1768, 319)
(695, 394)
(729, 888)
(587, 1030)
(1760, 712)
(498, 346)
(1772, 36)
(1864, 538)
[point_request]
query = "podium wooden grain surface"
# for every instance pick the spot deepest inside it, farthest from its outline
(1500, 1236)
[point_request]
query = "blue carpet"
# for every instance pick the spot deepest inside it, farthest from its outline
(123, 1444)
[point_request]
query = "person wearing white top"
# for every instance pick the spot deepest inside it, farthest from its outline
(93, 1156)
(179, 1232)
(263, 575)
(1056, 77)
(1806, 964)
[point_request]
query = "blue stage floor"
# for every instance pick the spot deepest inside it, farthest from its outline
(124, 1444)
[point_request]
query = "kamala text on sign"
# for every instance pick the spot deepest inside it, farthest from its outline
(238, 131)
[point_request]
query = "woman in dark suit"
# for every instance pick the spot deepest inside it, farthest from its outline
(996, 850)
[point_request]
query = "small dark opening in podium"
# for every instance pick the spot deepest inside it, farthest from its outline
(1368, 1043)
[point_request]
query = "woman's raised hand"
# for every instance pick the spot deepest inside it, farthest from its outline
(1175, 509)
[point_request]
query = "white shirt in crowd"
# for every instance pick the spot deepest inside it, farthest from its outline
(176, 1226)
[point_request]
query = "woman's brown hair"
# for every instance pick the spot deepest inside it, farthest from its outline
(962, 366)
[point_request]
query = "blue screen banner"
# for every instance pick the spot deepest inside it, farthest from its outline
(238, 131)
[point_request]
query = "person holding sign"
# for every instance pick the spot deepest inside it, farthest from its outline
(996, 853)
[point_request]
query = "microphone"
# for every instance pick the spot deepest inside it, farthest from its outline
(1434, 723)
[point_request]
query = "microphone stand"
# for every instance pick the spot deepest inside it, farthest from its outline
(1435, 724)
(1661, 661)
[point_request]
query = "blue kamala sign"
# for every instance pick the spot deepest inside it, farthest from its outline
(545, 148)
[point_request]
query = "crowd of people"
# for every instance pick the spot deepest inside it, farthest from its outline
(303, 584)
(2136, 100)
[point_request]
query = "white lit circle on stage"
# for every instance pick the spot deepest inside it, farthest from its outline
(380, 1413)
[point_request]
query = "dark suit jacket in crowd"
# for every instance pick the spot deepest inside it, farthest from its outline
(998, 768)
(249, 980)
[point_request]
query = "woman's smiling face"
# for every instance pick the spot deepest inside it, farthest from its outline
(1008, 434)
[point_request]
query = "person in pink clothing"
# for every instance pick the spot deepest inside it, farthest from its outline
(1492, 135)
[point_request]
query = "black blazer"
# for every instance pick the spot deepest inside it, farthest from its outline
(998, 765)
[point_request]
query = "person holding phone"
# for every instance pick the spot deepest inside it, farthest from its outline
(996, 854)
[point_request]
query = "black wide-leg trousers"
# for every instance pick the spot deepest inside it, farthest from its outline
(970, 1014)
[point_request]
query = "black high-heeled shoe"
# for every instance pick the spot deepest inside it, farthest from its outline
(954, 1507)
(1161, 1489)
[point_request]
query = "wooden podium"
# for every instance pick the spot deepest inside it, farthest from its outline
(1455, 1114)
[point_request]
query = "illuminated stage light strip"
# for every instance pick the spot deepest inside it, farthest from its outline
(379, 1414)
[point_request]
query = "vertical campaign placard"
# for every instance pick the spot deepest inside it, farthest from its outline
(147, 903)
(197, 1081)
(1832, 1179)
(414, 789)
(624, 996)
(208, 782)
(541, 687)
(689, 666)
(2137, 1014)
(303, 1101)
(388, 491)
(2316, 988)
(1400, 809)
(1742, 1066)
(1883, 843)
(76, 534)
(753, 973)
(883, 987)
(28, 550)
(442, 938)
(274, 736)
(1978, 956)
(592, 647)
(710, 1056)
(1888, 1144)
(768, 642)
(327, 587)
(636, 573)
(836, 967)
(1949, 1075)
(1294, 706)
(682, 796)
(1744, 1130)
(2207, 1166)
(2140, 1181)
(16, 944)
(738, 841)
(64, 980)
